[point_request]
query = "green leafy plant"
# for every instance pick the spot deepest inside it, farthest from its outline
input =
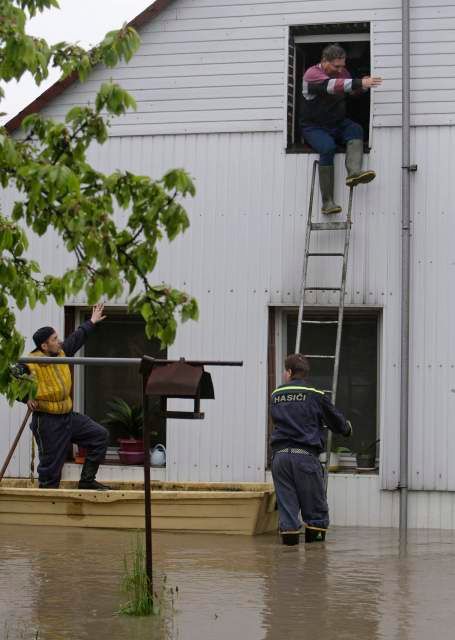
(141, 602)
(122, 414)
(58, 190)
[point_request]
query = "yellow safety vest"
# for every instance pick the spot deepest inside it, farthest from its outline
(54, 385)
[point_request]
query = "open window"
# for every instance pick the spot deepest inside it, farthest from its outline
(357, 395)
(305, 48)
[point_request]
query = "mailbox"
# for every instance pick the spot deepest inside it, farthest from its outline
(180, 379)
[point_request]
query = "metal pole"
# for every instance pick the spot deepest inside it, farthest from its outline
(101, 362)
(147, 492)
(14, 445)
(405, 274)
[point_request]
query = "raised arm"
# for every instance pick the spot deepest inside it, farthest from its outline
(77, 339)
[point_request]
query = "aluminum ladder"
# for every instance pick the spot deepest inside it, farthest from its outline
(345, 226)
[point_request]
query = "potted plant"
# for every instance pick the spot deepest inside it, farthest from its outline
(130, 418)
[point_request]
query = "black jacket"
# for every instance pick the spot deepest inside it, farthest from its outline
(299, 414)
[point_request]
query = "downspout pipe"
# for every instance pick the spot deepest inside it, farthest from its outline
(405, 271)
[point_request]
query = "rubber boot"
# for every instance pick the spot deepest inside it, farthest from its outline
(290, 538)
(88, 474)
(314, 535)
(326, 183)
(354, 157)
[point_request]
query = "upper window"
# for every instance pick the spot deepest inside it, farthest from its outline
(305, 49)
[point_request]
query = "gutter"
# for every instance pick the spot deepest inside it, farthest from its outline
(405, 271)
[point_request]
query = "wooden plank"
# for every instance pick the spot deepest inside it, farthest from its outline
(221, 526)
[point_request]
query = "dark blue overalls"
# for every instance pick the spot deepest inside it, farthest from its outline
(54, 432)
(299, 413)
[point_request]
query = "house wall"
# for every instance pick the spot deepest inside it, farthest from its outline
(203, 67)
(243, 251)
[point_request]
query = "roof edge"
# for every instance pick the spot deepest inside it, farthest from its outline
(152, 11)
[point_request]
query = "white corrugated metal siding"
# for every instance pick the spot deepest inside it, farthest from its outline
(208, 67)
(244, 251)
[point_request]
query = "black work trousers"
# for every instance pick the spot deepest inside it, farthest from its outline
(54, 433)
(299, 488)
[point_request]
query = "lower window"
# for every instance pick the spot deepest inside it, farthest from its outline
(120, 335)
(357, 393)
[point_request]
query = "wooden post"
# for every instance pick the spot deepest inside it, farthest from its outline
(147, 490)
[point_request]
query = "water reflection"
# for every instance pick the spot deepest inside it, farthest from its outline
(65, 583)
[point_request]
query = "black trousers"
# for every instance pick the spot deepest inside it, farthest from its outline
(54, 433)
(299, 488)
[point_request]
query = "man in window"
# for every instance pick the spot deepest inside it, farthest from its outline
(324, 124)
(299, 414)
(54, 424)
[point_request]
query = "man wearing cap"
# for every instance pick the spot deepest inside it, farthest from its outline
(54, 424)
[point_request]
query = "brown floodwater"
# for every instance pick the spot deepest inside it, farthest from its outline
(58, 583)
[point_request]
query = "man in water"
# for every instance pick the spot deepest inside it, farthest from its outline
(54, 424)
(324, 123)
(299, 414)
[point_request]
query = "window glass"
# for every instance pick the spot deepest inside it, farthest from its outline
(357, 382)
(119, 336)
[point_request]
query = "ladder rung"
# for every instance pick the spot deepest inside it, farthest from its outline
(329, 226)
(307, 355)
(312, 253)
(322, 288)
(319, 321)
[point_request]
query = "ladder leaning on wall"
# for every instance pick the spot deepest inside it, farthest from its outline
(345, 226)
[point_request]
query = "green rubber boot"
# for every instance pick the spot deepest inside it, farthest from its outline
(354, 157)
(326, 183)
(314, 535)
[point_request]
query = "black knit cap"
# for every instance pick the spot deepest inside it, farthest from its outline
(42, 335)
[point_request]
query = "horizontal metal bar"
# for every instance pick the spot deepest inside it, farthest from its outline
(322, 288)
(307, 355)
(328, 226)
(116, 362)
(319, 321)
(97, 362)
(183, 415)
(325, 254)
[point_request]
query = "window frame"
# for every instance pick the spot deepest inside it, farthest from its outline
(277, 350)
(78, 312)
(291, 146)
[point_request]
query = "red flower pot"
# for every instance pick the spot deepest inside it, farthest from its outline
(130, 444)
(131, 457)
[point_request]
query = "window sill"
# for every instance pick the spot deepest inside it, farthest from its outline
(305, 148)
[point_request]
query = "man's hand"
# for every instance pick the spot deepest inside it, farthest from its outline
(97, 313)
(371, 81)
(32, 405)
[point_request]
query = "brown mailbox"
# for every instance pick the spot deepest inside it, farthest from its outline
(180, 379)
